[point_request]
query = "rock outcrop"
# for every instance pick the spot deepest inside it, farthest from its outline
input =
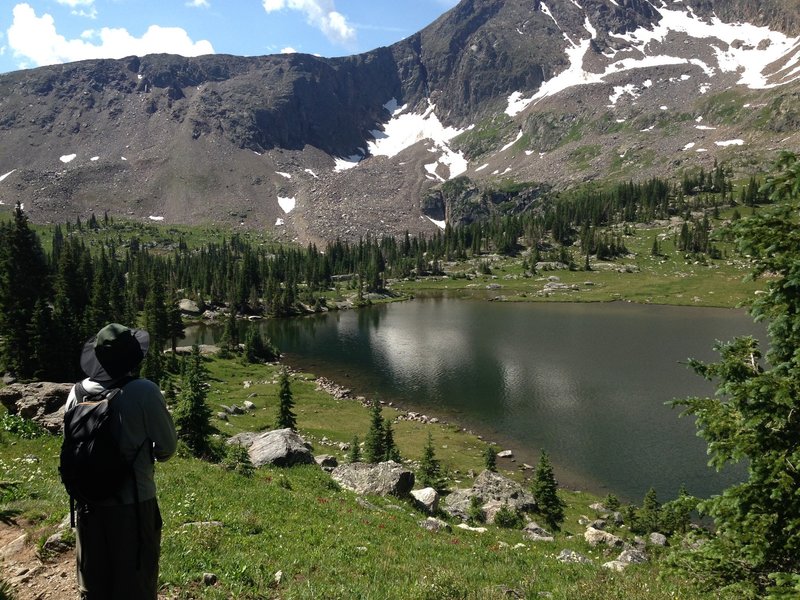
(42, 402)
(382, 479)
(281, 448)
(490, 488)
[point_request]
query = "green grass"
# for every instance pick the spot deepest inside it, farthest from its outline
(323, 542)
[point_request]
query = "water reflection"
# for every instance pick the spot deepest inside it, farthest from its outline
(587, 383)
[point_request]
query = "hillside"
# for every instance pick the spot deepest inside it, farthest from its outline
(553, 93)
(294, 533)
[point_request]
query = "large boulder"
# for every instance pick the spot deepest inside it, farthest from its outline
(281, 448)
(491, 489)
(382, 479)
(189, 307)
(595, 537)
(42, 402)
(426, 499)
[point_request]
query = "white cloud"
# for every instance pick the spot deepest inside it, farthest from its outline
(90, 11)
(321, 14)
(198, 4)
(37, 40)
(288, 50)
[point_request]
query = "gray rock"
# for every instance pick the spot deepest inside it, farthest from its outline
(246, 438)
(58, 543)
(632, 556)
(595, 537)
(490, 510)
(327, 462)
(386, 478)
(658, 539)
(505, 454)
(570, 556)
(534, 532)
(489, 486)
(249, 405)
(189, 307)
(222, 416)
(435, 525)
(281, 447)
(42, 402)
(209, 579)
(427, 499)
(598, 524)
(615, 565)
(13, 547)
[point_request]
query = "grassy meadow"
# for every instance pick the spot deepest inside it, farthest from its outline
(294, 533)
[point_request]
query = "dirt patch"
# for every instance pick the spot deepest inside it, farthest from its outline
(32, 576)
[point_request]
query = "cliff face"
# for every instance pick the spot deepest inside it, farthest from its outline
(552, 91)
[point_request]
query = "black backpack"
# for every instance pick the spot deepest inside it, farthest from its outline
(92, 466)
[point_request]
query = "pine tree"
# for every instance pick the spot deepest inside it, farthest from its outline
(648, 518)
(390, 447)
(192, 414)
(753, 417)
(430, 470)
(354, 455)
(23, 281)
(490, 457)
(545, 491)
(374, 448)
(285, 418)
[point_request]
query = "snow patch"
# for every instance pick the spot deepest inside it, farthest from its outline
(2, 177)
(405, 129)
(689, 146)
(94, 158)
(278, 222)
(439, 224)
(704, 127)
(282, 174)
(343, 164)
(516, 139)
(481, 168)
(67, 158)
(123, 158)
(730, 143)
(621, 90)
(750, 57)
(310, 172)
(287, 204)
(153, 218)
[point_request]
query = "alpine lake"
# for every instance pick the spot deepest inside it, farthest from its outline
(589, 383)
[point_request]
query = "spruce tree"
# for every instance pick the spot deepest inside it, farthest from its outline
(490, 456)
(23, 281)
(354, 455)
(545, 491)
(192, 414)
(430, 470)
(391, 451)
(374, 443)
(285, 418)
(753, 417)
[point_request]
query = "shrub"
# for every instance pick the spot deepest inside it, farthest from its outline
(508, 518)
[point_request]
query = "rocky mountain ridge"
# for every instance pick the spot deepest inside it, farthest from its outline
(548, 92)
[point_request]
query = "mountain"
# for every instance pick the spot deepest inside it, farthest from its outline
(510, 93)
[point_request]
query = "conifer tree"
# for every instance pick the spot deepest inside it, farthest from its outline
(545, 491)
(430, 470)
(192, 414)
(490, 456)
(391, 451)
(374, 448)
(285, 418)
(23, 281)
(753, 417)
(354, 455)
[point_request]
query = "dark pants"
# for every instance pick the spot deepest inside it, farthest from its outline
(118, 552)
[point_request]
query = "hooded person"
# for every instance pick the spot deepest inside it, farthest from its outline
(119, 538)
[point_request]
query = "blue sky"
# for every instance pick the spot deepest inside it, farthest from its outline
(40, 32)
